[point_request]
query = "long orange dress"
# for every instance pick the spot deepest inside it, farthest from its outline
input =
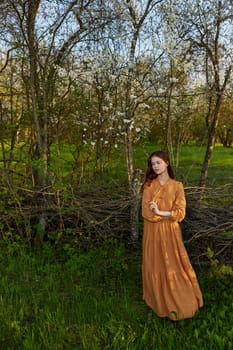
(170, 285)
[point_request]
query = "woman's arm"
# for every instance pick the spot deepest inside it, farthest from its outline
(177, 211)
(179, 205)
(164, 213)
(146, 199)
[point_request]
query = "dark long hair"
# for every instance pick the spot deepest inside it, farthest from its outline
(150, 174)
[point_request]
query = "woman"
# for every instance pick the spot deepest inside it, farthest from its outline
(170, 285)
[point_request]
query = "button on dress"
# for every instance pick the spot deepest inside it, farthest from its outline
(170, 285)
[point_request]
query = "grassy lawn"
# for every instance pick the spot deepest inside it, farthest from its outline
(65, 299)
(189, 166)
(190, 163)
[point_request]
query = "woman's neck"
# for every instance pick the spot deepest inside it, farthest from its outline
(163, 177)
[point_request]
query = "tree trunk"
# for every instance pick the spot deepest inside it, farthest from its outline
(213, 127)
(206, 162)
(133, 176)
(135, 203)
(40, 153)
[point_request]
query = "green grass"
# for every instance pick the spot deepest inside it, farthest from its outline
(64, 299)
(189, 166)
(64, 168)
(190, 163)
(220, 169)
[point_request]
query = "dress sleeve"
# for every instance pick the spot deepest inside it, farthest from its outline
(147, 214)
(179, 204)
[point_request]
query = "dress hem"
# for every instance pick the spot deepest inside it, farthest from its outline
(172, 318)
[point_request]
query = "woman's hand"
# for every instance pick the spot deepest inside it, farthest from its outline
(154, 208)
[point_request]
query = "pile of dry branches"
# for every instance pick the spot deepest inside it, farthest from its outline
(209, 223)
(104, 212)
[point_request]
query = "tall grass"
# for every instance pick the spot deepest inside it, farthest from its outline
(62, 298)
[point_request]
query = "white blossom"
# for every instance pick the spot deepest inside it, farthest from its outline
(173, 80)
(144, 105)
(120, 114)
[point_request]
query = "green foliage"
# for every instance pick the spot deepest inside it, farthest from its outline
(63, 298)
(218, 269)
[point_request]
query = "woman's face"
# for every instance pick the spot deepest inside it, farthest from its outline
(159, 165)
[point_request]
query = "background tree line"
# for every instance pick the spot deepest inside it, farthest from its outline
(105, 75)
